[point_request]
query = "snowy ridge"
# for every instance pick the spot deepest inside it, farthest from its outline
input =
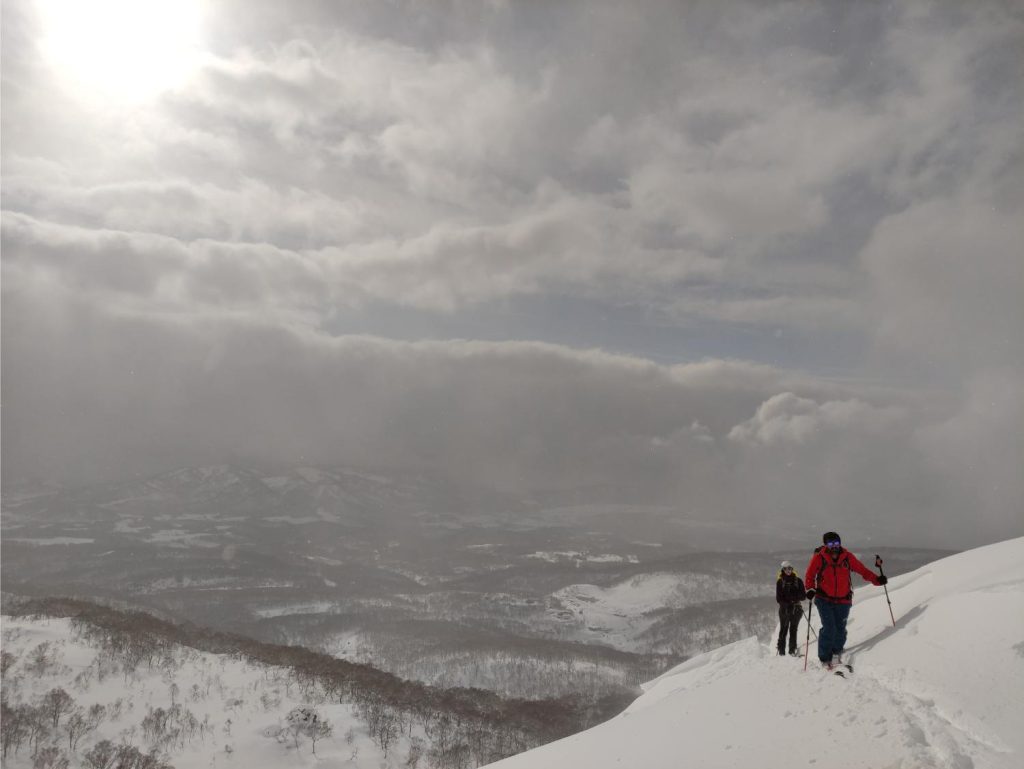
(942, 689)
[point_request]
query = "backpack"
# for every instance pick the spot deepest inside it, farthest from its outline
(797, 587)
(844, 563)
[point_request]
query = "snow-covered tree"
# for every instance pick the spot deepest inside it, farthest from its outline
(307, 722)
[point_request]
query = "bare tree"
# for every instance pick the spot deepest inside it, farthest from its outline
(130, 757)
(387, 730)
(318, 730)
(37, 724)
(50, 758)
(84, 679)
(39, 658)
(13, 728)
(101, 755)
(412, 761)
(56, 703)
(96, 715)
(154, 725)
(77, 727)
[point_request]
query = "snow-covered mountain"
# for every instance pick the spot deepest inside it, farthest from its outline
(941, 689)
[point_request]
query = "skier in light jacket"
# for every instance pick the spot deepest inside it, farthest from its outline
(829, 583)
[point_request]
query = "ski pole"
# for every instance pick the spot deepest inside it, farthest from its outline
(810, 627)
(878, 565)
(807, 643)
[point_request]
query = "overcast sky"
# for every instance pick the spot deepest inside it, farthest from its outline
(761, 259)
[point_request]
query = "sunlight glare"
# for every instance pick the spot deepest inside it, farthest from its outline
(122, 49)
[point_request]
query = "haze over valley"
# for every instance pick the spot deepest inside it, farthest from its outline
(434, 582)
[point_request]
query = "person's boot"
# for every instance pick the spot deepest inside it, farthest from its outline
(782, 652)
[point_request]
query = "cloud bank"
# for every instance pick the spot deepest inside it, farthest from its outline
(451, 237)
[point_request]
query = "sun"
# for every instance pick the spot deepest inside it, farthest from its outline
(121, 49)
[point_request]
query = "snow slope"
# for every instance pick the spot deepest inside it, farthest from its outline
(945, 688)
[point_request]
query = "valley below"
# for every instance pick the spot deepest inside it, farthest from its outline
(447, 586)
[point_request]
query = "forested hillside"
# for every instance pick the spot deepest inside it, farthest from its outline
(85, 685)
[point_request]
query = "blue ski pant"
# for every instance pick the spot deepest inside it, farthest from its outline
(832, 637)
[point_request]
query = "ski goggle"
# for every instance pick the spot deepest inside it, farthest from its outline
(787, 568)
(833, 543)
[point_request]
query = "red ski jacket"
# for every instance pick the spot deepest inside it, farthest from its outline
(829, 574)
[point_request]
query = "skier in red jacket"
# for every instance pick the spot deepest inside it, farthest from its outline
(828, 583)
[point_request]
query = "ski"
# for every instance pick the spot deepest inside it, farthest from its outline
(842, 669)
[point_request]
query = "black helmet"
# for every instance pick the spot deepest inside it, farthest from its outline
(830, 536)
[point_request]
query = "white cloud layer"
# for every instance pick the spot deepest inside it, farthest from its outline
(787, 418)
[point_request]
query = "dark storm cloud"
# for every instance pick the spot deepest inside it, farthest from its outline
(174, 272)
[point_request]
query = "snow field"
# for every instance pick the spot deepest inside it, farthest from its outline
(617, 614)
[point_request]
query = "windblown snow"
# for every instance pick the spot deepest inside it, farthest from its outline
(942, 689)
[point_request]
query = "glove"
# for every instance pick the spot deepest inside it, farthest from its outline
(882, 579)
(810, 594)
